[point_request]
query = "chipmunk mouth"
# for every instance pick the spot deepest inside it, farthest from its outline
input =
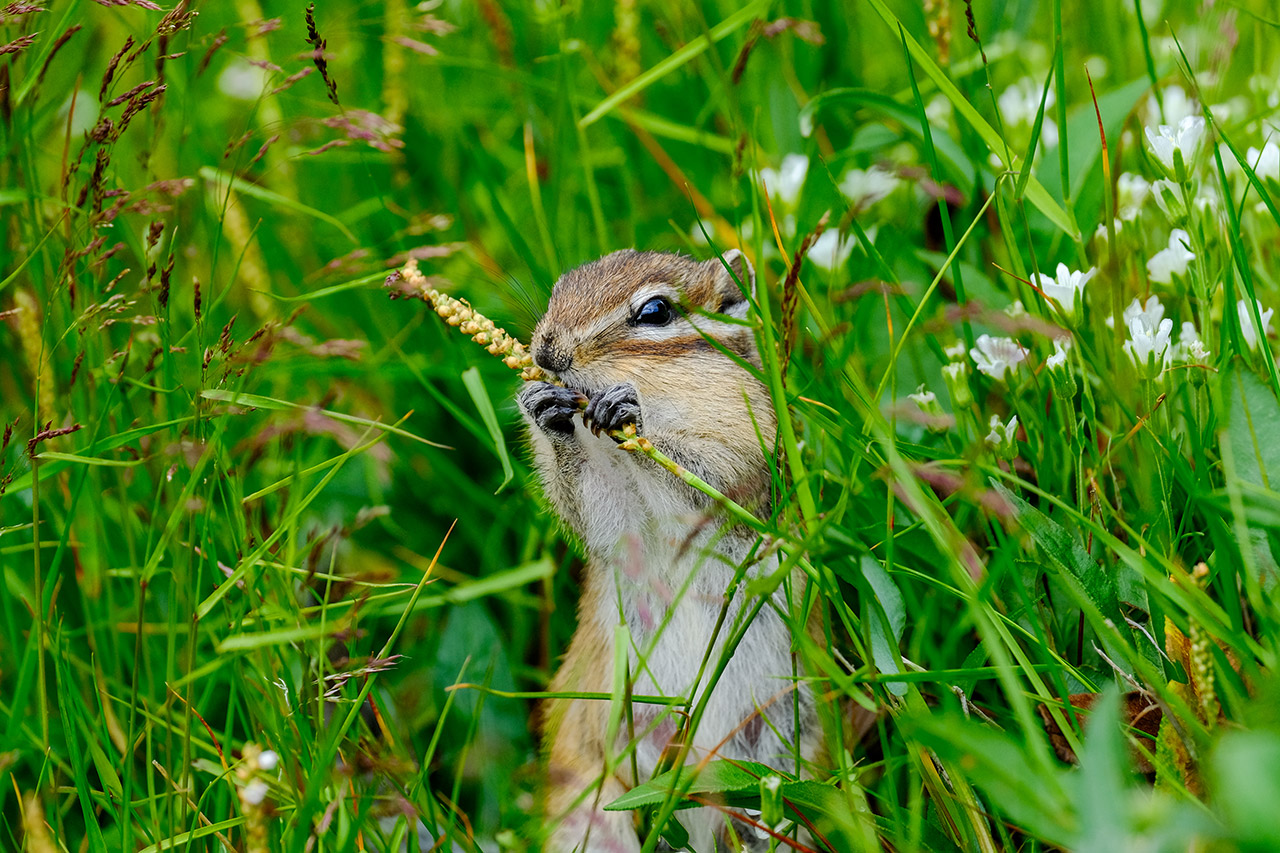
(575, 380)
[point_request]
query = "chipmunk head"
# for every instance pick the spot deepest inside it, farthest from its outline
(631, 315)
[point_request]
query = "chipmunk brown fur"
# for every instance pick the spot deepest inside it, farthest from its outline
(636, 335)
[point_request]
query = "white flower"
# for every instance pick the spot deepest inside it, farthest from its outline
(1021, 101)
(1015, 309)
(1207, 199)
(1177, 105)
(1019, 104)
(1066, 287)
(254, 793)
(1167, 263)
(1150, 9)
(923, 398)
(1189, 346)
(829, 251)
(1100, 233)
(938, 111)
(243, 81)
(1151, 313)
(785, 182)
(1148, 345)
(1246, 322)
(865, 188)
(956, 351)
(1266, 163)
(1168, 141)
(1131, 191)
(268, 759)
(1059, 357)
(997, 356)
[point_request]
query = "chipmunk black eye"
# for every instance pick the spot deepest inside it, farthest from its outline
(655, 312)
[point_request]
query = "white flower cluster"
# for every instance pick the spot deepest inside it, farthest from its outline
(1149, 332)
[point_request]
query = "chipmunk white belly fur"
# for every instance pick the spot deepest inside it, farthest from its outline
(629, 333)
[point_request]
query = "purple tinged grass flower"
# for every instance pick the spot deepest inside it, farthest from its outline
(1167, 263)
(996, 357)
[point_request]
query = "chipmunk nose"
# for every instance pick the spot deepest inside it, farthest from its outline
(550, 357)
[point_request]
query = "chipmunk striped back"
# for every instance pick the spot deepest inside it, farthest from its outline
(661, 341)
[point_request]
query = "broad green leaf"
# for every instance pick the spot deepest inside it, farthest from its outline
(737, 784)
(888, 618)
(722, 777)
(1101, 790)
(1253, 429)
(1000, 766)
(1075, 567)
(1246, 776)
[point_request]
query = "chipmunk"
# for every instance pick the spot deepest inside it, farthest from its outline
(646, 338)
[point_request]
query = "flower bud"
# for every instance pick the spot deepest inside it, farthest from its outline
(1003, 438)
(771, 814)
(956, 375)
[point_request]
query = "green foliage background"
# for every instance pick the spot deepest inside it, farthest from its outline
(231, 542)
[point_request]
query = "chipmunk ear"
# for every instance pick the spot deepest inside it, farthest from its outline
(735, 283)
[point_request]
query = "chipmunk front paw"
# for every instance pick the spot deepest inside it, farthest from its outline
(551, 407)
(613, 409)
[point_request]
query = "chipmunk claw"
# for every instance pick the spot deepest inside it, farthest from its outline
(551, 407)
(613, 408)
